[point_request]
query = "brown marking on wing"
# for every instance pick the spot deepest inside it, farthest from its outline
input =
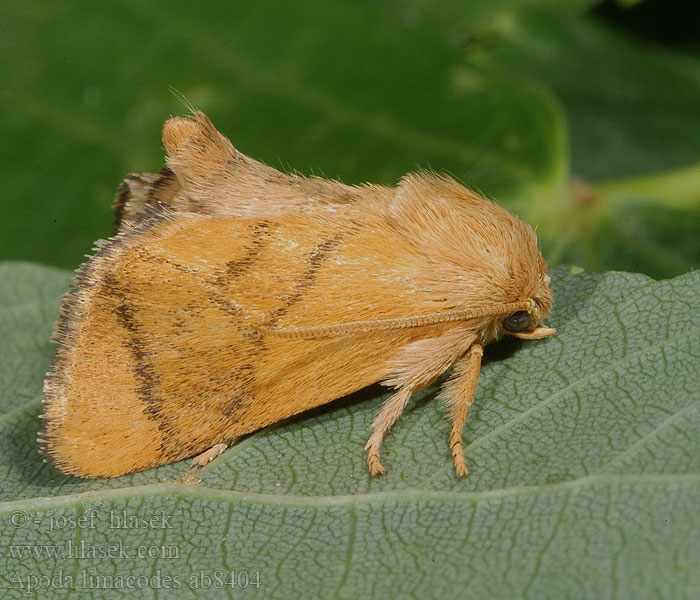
(236, 267)
(139, 191)
(142, 365)
(315, 260)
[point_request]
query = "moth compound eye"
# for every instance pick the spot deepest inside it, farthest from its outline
(517, 322)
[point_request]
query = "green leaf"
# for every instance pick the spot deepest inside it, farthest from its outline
(476, 23)
(633, 112)
(510, 96)
(653, 222)
(634, 118)
(339, 88)
(583, 449)
(635, 231)
(631, 109)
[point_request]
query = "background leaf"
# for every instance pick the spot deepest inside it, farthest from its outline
(513, 97)
(292, 83)
(583, 449)
(634, 120)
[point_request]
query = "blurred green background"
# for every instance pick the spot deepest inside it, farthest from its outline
(584, 119)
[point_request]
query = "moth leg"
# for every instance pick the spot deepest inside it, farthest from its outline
(416, 366)
(390, 412)
(458, 393)
(192, 475)
(206, 457)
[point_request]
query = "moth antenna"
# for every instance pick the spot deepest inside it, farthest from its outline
(340, 329)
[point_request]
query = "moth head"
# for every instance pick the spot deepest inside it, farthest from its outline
(525, 324)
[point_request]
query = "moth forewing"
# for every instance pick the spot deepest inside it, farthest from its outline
(207, 175)
(236, 296)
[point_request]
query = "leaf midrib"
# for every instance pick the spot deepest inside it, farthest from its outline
(405, 494)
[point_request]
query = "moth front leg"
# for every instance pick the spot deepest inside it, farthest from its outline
(458, 393)
(415, 367)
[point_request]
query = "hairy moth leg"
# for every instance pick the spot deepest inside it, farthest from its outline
(206, 457)
(458, 393)
(416, 366)
(390, 412)
(202, 460)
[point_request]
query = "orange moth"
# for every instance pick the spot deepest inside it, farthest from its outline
(233, 296)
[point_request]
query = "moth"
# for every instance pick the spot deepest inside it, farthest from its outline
(233, 296)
